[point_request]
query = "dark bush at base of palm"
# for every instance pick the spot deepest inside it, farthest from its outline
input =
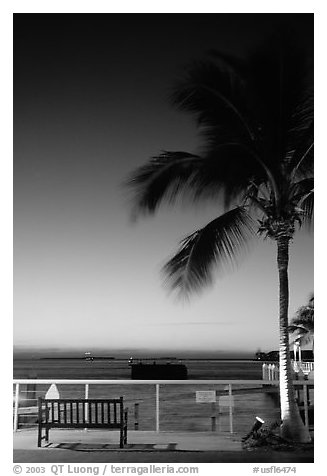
(269, 436)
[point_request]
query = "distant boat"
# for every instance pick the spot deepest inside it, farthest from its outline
(145, 370)
(88, 356)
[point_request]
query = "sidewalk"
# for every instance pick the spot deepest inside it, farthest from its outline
(98, 446)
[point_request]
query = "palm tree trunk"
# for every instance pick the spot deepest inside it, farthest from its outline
(292, 427)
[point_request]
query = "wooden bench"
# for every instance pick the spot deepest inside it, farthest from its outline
(79, 413)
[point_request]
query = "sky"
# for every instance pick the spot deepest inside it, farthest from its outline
(91, 104)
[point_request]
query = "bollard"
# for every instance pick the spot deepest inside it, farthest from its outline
(257, 425)
(136, 416)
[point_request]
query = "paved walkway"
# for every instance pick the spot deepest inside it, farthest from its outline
(69, 446)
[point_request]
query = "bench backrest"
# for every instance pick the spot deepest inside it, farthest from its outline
(79, 413)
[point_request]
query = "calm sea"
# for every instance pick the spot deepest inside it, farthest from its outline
(119, 369)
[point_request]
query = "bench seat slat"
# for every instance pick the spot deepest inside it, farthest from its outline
(60, 413)
(83, 411)
(96, 412)
(84, 425)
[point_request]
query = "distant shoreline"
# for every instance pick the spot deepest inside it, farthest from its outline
(75, 358)
(193, 359)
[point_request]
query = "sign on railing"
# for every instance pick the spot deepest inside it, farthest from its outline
(203, 396)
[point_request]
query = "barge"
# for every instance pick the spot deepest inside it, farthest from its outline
(149, 369)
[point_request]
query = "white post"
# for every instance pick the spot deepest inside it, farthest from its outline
(230, 408)
(16, 407)
(264, 372)
(157, 408)
(86, 404)
(300, 359)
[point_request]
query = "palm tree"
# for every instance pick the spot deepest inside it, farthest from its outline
(256, 117)
(302, 325)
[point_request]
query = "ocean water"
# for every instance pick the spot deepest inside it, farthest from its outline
(119, 369)
(179, 410)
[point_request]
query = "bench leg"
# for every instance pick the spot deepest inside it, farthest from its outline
(47, 435)
(125, 425)
(121, 443)
(39, 436)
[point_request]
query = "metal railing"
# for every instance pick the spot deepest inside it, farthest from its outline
(305, 367)
(271, 371)
(164, 405)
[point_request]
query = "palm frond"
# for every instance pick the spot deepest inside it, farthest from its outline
(233, 166)
(304, 318)
(218, 243)
(301, 188)
(306, 205)
(280, 93)
(163, 177)
(224, 171)
(297, 328)
(298, 198)
(306, 339)
(215, 94)
(234, 63)
(267, 105)
(301, 163)
(302, 323)
(303, 338)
